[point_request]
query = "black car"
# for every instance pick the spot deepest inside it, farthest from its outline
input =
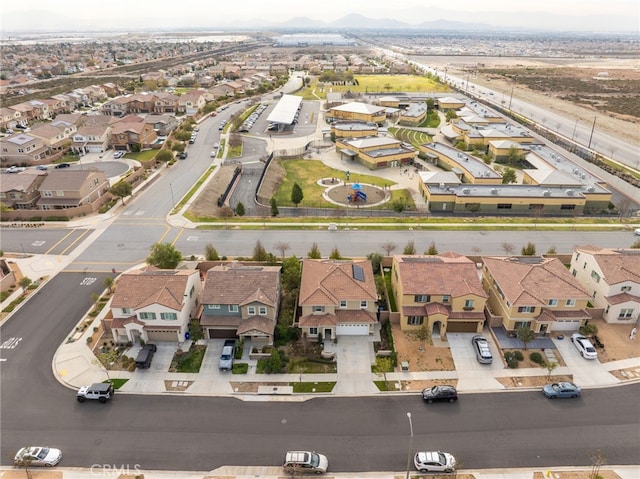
(183, 155)
(440, 393)
(63, 165)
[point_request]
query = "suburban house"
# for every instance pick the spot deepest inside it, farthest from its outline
(63, 189)
(21, 191)
(23, 149)
(9, 118)
(132, 134)
(91, 139)
(241, 301)
(153, 305)
(191, 102)
(337, 298)
(612, 278)
(162, 124)
(440, 292)
(56, 135)
(534, 292)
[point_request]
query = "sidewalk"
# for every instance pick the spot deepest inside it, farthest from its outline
(274, 472)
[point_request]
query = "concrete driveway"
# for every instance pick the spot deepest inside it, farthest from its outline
(354, 356)
(586, 372)
(473, 376)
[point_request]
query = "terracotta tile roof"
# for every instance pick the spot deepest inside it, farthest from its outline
(71, 180)
(22, 181)
(549, 314)
(355, 316)
(330, 281)
(466, 316)
(141, 288)
(121, 322)
(617, 265)
(257, 323)
(623, 298)
(437, 308)
(220, 320)
(445, 273)
(317, 320)
(533, 280)
(230, 284)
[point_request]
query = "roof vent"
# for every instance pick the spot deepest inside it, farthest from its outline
(466, 191)
(494, 191)
(570, 192)
(546, 193)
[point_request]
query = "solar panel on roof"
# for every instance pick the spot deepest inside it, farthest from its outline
(358, 273)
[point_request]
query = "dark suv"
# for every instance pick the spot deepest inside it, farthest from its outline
(144, 357)
(440, 393)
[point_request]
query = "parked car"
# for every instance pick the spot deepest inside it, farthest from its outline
(62, 165)
(435, 461)
(37, 456)
(561, 390)
(145, 355)
(305, 461)
(118, 154)
(483, 352)
(583, 345)
(226, 357)
(101, 392)
(183, 155)
(636, 232)
(15, 169)
(440, 393)
(42, 167)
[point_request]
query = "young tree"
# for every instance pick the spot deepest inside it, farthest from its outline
(588, 329)
(550, 366)
(423, 335)
(314, 252)
(508, 248)
(509, 176)
(240, 209)
(210, 253)
(259, 253)
(432, 250)
(551, 250)
(274, 207)
(121, 189)
(410, 248)
(335, 253)
(529, 250)
(108, 283)
(164, 256)
(164, 155)
(226, 213)
(388, 247)
(376, 260)
(24, 283)
(525, 335)
(296, 194)
(282, 247)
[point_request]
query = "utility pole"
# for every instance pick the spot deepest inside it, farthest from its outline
(592, 128)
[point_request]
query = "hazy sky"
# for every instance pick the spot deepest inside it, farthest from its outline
(411, 11)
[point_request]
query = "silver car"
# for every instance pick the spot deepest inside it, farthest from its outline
(483, 352)
(37, 456)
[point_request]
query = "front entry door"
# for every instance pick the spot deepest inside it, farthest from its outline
(327, 334)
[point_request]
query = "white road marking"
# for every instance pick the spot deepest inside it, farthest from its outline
(88, 281)
(10, 343)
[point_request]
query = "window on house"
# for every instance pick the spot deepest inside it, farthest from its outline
(213, 306)
(147, 315)
(574, 272)
(343, 303)
(126, 310)
(262, 311)
(233, 308)
(318, 309)
(567, 207)
(313, 331)
(59, 193)
(169, 316)
(468, 304)
(504, 206)
(552, 302)
(526, 309)
(191, 291)
(570, 302)
(47, 194)
(624, 289)
(251, 310)
(415, 320)
(446, 299)
(422, 298)
(595, 276)
(363, 304)
(626, 313)
(522, 324)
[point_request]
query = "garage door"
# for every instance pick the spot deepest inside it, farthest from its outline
(162, 335)
(222, 333)
(462, 326)
(352, 330)
(566, 326)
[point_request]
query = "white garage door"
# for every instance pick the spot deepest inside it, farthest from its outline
(565, 326)
(95, 149)
(352, 330)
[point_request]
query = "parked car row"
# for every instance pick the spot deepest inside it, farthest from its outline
(251, 119)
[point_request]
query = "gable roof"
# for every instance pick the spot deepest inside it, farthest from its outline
(239, 285)
(447, 273)
(71, 180)
(142, 288)
(617, 265)
(330, 281)
(533, 280)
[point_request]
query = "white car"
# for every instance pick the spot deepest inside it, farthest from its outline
(583, 345)
(15, 169)
(636, 232)
(305, 461)
(37, 456)
(118, 154)
(434, 461)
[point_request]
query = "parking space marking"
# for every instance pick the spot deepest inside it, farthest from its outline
(193, 238)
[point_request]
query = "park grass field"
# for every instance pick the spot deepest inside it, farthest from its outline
(388, 84)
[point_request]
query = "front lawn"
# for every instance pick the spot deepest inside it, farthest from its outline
(188, 362)
(320, 387)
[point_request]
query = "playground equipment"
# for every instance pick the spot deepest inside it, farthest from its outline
(357, 194)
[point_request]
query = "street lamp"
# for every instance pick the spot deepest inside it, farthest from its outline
(173, 202)
(410, 445)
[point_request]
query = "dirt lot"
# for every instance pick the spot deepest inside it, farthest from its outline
(604, 474)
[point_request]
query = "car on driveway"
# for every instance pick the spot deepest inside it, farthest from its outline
(37, 456)
(483, 352)
(584, 346)
(439, 394)
(118, 154)
(434, 461)
(561, 390)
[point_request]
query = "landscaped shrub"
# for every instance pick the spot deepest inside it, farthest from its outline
(536, 358)
(518, 355)
(510, 357)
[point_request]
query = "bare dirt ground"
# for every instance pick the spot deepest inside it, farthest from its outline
(578, 68)
(603, 473)
(35, 474)
(206, 204)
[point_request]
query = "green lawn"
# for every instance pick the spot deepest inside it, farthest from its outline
(311, 367)
(415, 138)
(118, 383)
(306, 173)
(190, 361)
(142, 156)
(320, 387)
